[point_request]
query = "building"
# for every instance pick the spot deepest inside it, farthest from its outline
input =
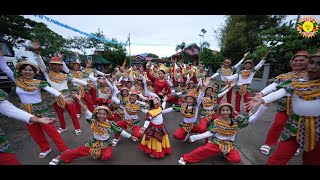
(191, 55)
(142, 59)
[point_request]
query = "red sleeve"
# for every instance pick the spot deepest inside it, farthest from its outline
(194, 78)
(152, 78)
(168, 88)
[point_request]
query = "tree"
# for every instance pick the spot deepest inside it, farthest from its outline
(181, 47)
(241, 33)
(51, 42)
(153, 55)
(210, 60)
(77, 42)
(187, 57)
(204, 44)
(283, 42)
(206, 57)
(15, 28)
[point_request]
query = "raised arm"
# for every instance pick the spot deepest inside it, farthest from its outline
(100, 73)
(169, 82)
(199, 99)
(256, 101)
(188, 79)
(5, 68)
(79, 81)
(275, 95)
(258, 114)
(142, 97)
(271, 88)
(215, 75)
(165, 111)
(65, 68)
(92, 78)
(152, 78)
(223, 93)
(115, 100)
(241, 61)
(41, 64)
(233, 77)
(258, 66)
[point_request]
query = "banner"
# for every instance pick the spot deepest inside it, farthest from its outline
(78, 31)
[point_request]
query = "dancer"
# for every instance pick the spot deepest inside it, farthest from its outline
(99, 146)
(302, 128)
(7, 156)
(223, 131)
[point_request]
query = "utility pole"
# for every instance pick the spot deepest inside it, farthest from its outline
(129, 49)
(298, 18)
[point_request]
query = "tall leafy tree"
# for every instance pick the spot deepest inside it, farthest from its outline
(15, 28)
(153, 55)
(284, 41)
(241, 33)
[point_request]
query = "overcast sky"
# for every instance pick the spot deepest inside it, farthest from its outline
(160, 33)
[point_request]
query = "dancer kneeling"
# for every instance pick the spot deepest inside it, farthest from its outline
(99, 146)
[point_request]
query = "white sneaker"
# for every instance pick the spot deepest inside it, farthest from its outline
(182, 161)
(265, 149)
(44, 154)
(297, 152)
(60, 130)
(152, 156)
(115, 142)
(78, 132)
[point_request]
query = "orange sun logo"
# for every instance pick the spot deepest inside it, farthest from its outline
(308, 27)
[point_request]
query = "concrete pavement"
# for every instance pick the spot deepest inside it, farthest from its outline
(126, 152)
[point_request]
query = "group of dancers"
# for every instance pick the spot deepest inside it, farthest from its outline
(111, 104)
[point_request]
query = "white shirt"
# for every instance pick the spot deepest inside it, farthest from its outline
(11, 111)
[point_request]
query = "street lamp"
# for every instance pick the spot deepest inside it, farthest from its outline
(203, 32)
(200, 41)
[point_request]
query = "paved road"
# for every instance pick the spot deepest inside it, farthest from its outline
(126, 152)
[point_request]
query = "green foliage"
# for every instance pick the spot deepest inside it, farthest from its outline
(116, 57)
(283, 42)
(50, 41)
(153, 55)
(217, 61)
(184, 55)
(210, 60)
(241, 33)
(18, 29)
(206, 57)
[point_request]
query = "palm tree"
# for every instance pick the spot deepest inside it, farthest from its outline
(181, 47)
(205, 44)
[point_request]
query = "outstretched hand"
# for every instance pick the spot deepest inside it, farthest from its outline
(43, 120)
(254, 102)
(59, 54)
(246, 54)
(36, 45)
(258, 95)
(266, 55)
(135, 139)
